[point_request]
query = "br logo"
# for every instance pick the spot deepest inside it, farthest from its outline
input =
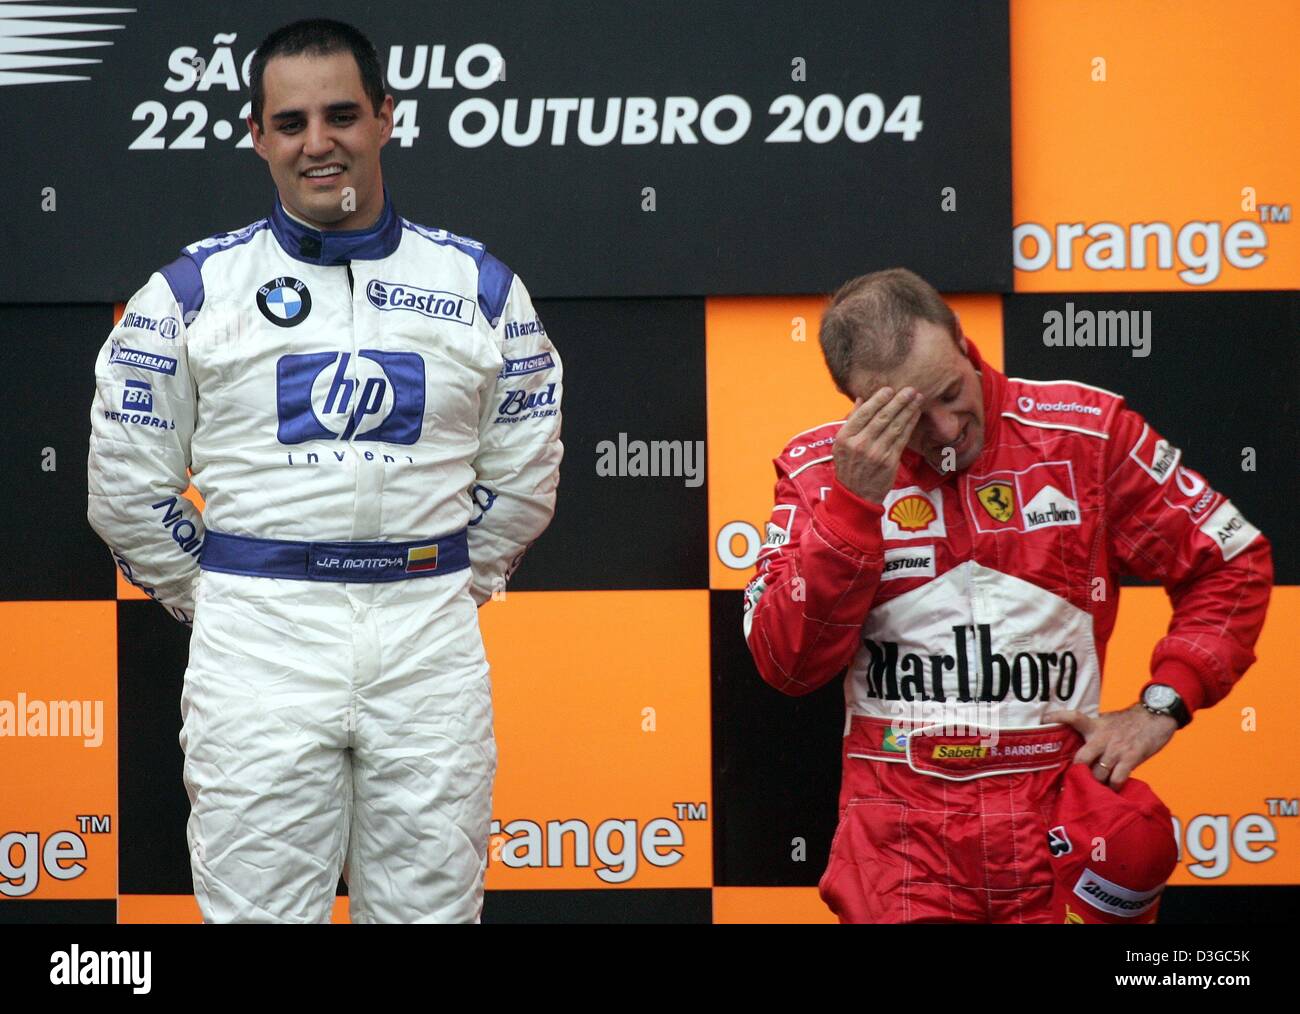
(337, 396)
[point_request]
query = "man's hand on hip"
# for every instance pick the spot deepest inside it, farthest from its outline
(870, 444)
(1117, 741)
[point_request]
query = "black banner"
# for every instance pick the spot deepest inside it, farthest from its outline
(598, 149)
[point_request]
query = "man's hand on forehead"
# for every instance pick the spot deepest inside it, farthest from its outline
(870, 445)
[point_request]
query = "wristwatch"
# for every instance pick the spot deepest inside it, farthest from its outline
(1162, 699)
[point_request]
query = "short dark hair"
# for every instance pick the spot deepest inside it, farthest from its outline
(870, 323)
(318, 36)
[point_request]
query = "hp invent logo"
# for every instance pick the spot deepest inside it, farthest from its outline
(338, 396)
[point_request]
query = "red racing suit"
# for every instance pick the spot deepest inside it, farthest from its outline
(982, 600)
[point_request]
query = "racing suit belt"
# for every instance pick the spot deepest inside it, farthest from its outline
(360, 562)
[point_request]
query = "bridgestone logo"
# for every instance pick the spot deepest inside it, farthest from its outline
(1101, 894)
(906, 564)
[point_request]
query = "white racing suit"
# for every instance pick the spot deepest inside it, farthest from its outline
(372, 420)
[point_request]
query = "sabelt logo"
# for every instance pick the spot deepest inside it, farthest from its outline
(982, 674)
(1201, 247)
(950, 751)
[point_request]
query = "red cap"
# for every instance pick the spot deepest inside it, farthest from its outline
(1111, 851)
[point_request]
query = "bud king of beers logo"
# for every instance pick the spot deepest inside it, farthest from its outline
(912, 513)
(1041, 496)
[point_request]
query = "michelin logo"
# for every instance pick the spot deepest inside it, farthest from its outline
(145, 360)
(429, 302)
(532, 364)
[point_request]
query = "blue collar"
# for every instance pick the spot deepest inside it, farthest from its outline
(337, 246)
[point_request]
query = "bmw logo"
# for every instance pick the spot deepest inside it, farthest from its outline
(284, 301)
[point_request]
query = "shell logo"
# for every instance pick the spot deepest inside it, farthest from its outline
(912, 513)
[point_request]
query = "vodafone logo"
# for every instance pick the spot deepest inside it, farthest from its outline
(1025, 404)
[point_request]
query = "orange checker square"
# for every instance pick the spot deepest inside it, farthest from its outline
(769, 905)
(1151, 145)
(603, 728)
(156, 909)
(58, 750)
(1230, 777)
(767, 381)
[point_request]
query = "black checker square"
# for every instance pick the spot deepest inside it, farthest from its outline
(152, 652)
(637, 367)
(776, 766)
(1223, 374)
(600, 907)
(50, 551)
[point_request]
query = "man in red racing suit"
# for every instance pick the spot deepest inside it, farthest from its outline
(979, 600)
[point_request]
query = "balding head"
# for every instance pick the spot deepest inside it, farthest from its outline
(870, 325)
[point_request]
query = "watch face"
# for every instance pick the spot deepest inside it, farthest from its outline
(1160, 696)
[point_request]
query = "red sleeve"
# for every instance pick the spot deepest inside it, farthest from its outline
(815, 579)
(1168, 525)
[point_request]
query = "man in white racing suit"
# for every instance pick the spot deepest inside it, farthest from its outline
(370, 411)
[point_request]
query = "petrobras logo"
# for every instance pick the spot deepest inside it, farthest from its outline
(373, 395)
(428, 302)
(532, 364)
(124, 356)
(522, 328)
(137, 396)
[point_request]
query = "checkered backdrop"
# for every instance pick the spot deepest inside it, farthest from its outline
(626, 702)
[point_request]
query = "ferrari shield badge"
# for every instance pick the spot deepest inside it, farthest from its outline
(997, 499)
